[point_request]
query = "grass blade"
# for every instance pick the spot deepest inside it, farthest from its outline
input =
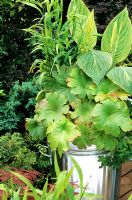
(57, 169)
(26, 181)
(78, 168)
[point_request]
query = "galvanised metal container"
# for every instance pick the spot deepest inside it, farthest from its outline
(104, 181)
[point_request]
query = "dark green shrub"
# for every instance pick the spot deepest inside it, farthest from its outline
(16, 106)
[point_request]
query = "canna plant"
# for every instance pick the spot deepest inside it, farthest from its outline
(85, 101)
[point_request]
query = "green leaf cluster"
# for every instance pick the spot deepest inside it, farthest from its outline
(85, 103)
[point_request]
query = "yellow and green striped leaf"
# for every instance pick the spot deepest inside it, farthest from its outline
(117, 38)
(122, 76)
(82, 24)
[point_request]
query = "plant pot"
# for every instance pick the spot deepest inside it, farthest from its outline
(104, 181)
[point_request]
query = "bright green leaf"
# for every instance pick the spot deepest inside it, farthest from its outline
(57, 169)
(89, 33)
(31, 5)
(117, 37)
(95, 64)
(79, 83)
(60, 133)
(53, 107)
(107, 142)
(82, 110)
(79, 171)
(107, 89)
(122, 76)
(36, 129)
(27, 182)
(112, 117)
(86, 137)
(58, 83)
(77, 16)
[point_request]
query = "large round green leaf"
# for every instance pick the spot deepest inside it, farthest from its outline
(122, 76)
(60, 133)
(95, 64)
(117, 37)
(79, 83)
(36, 129)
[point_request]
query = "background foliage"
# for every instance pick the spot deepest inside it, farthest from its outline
(14, 50)
(16, 106)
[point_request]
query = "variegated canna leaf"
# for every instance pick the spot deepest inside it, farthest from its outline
(122, 76)
(95, 64)
(82, 25)
(117, 38)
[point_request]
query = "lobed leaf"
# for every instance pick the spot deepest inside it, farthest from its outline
(60, 133)
(112, 117)
(36, 129)
(79, 83)
(53, 107)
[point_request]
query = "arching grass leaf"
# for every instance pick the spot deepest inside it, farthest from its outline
(95, 64)
(117, 38)
(122, 76)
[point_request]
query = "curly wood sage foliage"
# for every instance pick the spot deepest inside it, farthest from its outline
(85, 103)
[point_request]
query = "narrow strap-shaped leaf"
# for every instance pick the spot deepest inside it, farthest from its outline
(78, 168)
(43, 195)
(26, 181)
(32, 5)
(57, 169)
(62, 182)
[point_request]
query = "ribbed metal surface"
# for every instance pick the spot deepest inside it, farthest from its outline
(102, 181)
